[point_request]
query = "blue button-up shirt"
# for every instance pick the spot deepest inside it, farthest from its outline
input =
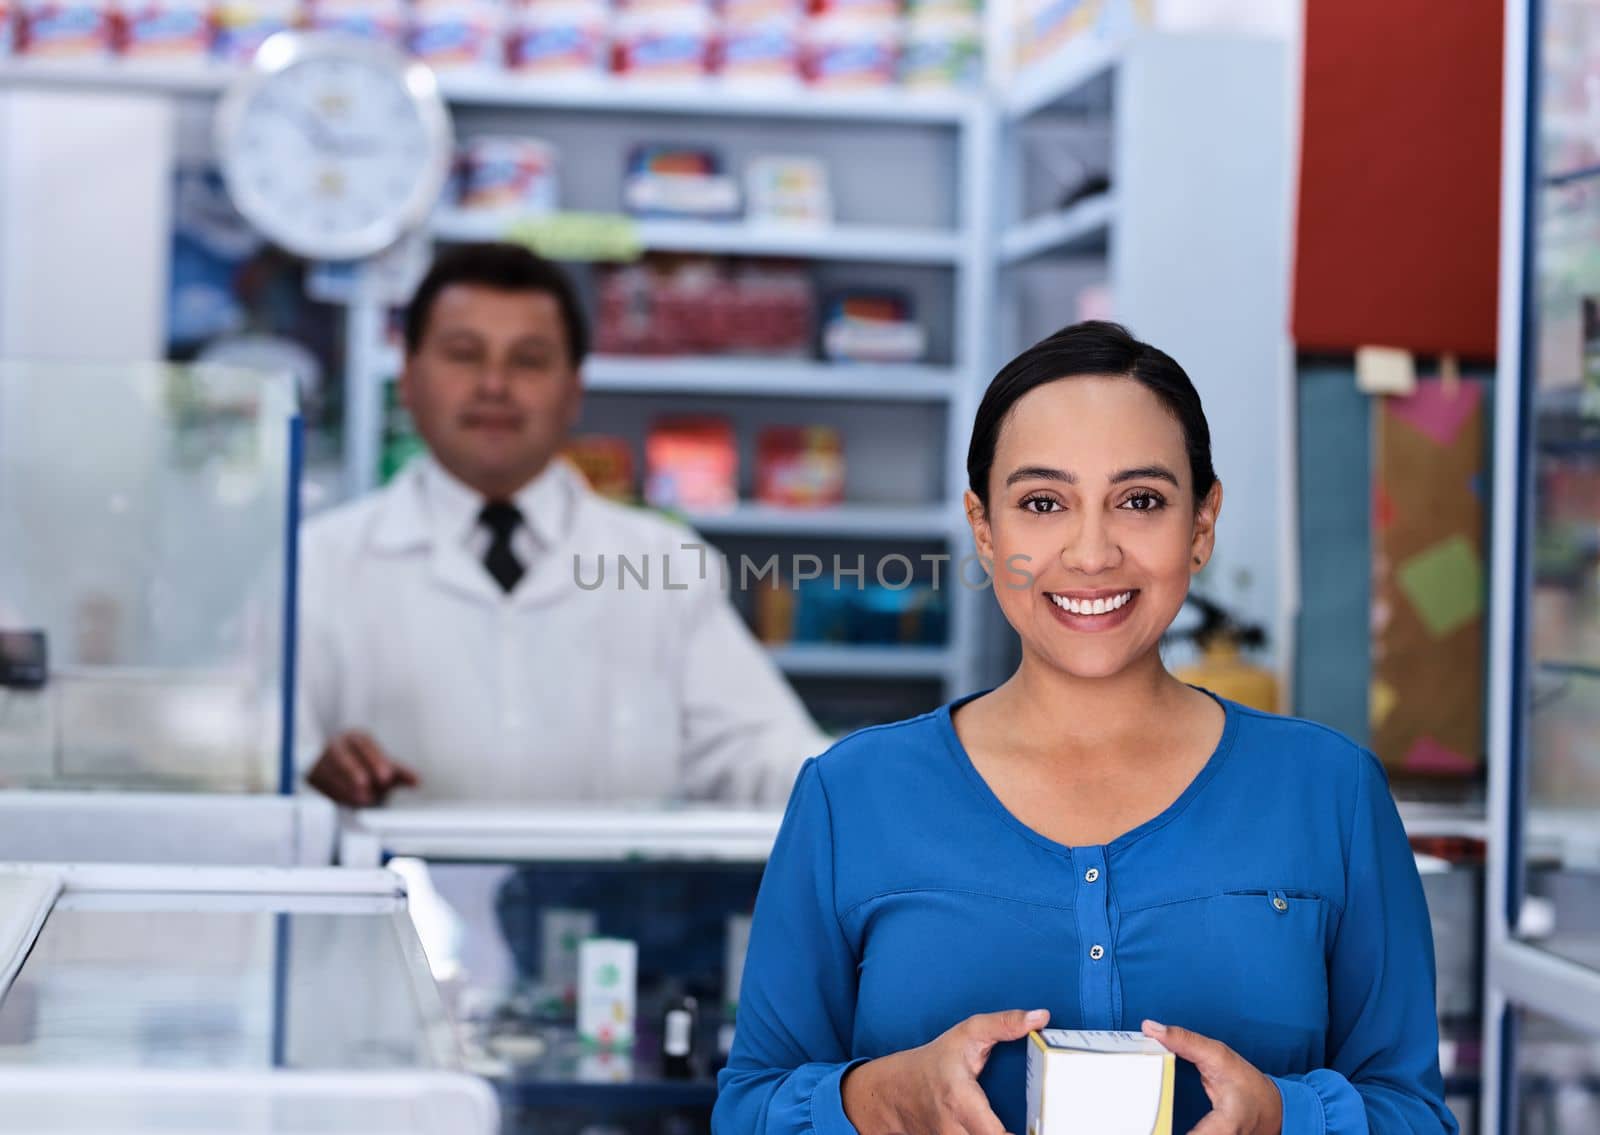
(1274, 906)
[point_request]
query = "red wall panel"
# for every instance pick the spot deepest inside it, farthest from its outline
(1397, 240)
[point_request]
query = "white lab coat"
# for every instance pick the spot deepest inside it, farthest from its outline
(555, 692)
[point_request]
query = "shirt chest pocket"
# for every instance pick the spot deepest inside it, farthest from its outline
(1259, 960)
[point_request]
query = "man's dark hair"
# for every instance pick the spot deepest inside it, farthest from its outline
(505, 268)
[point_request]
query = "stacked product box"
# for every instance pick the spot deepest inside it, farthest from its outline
(507, 174)
(242, 26)
(381, 21)
(459, 36)
(559, 40)
(67, 31)
(943, 45)
(761, 44)
(663, 41)
(699, 305)
(745, 45)
(168, 33)
(854, 44)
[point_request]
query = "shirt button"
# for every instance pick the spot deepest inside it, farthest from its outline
(1091, 874)
(1280, 905)
(1097, 952)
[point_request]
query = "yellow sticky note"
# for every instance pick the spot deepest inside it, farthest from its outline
(1385, 370)
(1381, 702)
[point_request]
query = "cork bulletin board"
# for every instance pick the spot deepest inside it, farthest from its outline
(1430, 501)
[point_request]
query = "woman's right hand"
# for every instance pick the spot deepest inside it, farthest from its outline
(933, 1090)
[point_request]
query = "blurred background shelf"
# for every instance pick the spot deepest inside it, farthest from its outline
(851, 243)
(1083, 227)
(843, 661)
(923, 522)
(755, 377)
(1078, 72)
(935, 108)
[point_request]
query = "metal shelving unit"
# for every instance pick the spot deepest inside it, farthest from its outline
(965, 249)
(1191, 136)
(972, 249)
(1080, 72)
(1082, 228)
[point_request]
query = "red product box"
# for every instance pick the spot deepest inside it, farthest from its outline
(692, 465)
(800, 466)
(696, 305)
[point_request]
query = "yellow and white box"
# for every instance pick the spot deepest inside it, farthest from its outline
(1098, 1083)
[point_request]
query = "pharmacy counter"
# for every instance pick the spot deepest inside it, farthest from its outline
(166, 999)
(222, 830)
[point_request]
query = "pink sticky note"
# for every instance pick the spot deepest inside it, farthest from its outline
(1435, 411)
(1430, 758)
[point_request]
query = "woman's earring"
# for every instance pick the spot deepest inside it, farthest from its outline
(1197, 559)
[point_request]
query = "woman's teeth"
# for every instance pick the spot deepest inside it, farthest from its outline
(1091, 606)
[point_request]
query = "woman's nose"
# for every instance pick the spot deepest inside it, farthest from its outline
(1090, 547)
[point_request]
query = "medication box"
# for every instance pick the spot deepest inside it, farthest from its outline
(607, 988)
(1098, 1083)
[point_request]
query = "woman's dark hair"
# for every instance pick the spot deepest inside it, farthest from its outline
(1091, 348)
(504, 268)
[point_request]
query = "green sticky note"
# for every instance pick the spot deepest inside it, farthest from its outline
(1444, 584)
(580, 236)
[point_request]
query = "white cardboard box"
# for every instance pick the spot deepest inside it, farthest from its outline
(1098, 1083)
(607, 986)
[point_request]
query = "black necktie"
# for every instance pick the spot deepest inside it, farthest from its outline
(502, 518)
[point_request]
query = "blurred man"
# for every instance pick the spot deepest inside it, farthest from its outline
(453, 640)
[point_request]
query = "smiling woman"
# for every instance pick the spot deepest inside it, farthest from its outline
(1093, 844)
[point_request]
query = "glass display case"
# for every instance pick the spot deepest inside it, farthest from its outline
(503, 898)
(148, 518)
(183, 999)
(1543, 897)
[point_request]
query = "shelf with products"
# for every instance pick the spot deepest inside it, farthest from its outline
(841, 242)
(873, 62)
(486, 90)
(929, 522)
(754, 377)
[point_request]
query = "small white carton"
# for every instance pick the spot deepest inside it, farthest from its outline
(1093, 1082)
(607, 987)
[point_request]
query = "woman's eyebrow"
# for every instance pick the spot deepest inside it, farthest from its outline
(1040, 473)
(1145, 473)
(1046, 473)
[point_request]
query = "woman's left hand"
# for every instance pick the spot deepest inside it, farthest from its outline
(1243, 1101)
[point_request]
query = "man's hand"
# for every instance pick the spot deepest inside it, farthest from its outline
(1243, 1101)
(355, 770)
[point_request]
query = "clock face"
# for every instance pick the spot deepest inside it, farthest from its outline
(334, 148)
